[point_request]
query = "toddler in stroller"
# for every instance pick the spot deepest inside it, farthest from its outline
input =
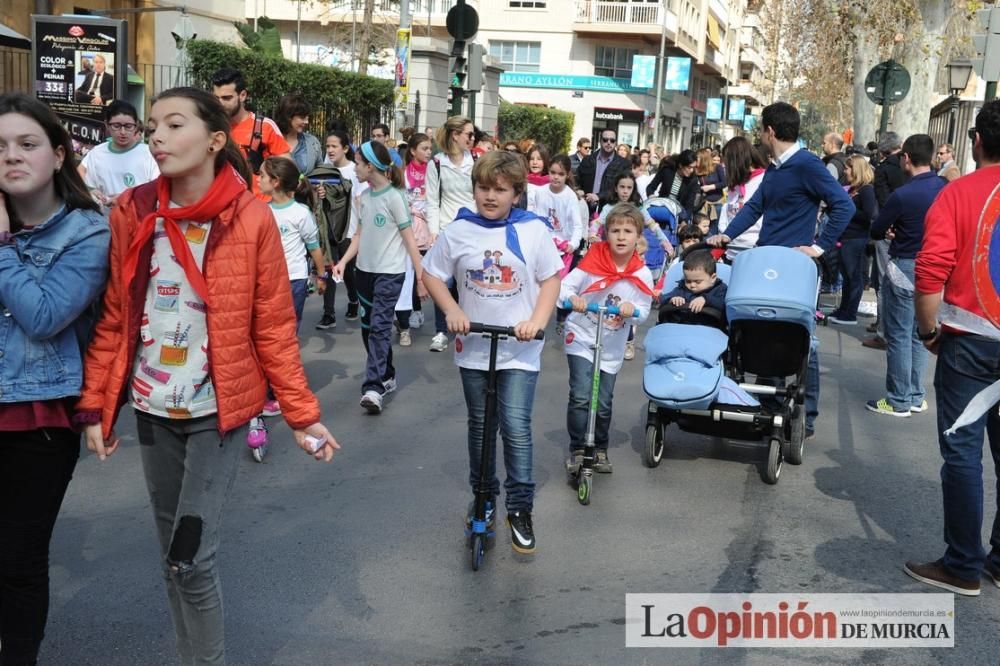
(695, 375)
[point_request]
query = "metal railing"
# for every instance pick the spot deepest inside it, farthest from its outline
(600, 11)
(417, 7)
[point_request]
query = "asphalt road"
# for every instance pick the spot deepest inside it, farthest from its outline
(363, 560)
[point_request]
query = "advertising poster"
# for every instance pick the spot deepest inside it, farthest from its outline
(737, 109)
(643, 71)
(678, 74)
(713, 108)
(79, 67)
(402, 69)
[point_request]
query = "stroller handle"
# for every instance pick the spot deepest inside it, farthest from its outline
(489, 329)
(595, 308)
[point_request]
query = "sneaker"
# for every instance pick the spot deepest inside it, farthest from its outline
(630, 350)
(416, 319)
(842, 322)
(560, 330)
(372, 402)
(326, 322)
(257, 438)
(271, 408)
(992, 572)
(935, 573)
(922, 407)
(575, 461)
(352, 312)
(389, 385)
(883, 407)
(404, 338)
(810, 434)
(874, 343)
(602, 465)
(522, 534)
(439, 342)
(490, 515)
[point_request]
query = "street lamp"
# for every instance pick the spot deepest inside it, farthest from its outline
(959, 72)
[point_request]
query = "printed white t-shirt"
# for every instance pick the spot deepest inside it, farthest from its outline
(113, 171)
(580, 326)
(384, 213)
(171, 376)
(562, 211)
(298, 236)
(494, 286)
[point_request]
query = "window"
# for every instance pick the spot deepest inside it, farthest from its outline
(517, 56)
(526, 4)
(614, 62)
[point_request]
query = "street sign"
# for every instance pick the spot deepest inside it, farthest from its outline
(987, 44)
(462, 21)
(887, 83)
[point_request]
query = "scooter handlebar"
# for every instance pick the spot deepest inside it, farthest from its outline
(595, 308)
(489, 329)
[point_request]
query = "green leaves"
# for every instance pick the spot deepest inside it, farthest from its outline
(550, 127)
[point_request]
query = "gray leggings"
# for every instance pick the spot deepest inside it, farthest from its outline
(189, 469)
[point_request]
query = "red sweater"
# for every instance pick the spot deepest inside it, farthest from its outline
(945, 258)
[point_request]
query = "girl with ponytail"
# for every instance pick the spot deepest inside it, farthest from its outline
(197, 321)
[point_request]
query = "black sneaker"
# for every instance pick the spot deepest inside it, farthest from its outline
(575, 461)
(490, 515)
(522, 534)
(352, 312)
(602, 465)
(326, 322)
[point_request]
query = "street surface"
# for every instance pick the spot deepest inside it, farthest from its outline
(363, 561)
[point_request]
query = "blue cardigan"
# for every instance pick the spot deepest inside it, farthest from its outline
(789, 198)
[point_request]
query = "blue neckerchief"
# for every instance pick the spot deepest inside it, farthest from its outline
(516, 216)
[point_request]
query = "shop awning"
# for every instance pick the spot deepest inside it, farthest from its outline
(713, 32)
(12, 39)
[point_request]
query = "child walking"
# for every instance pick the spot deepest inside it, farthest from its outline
(418, 156)
(53, 265)
(381, 243)
(193, 349)
(612, 273)
(507, 270)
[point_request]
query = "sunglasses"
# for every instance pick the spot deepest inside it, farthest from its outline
(468, 134)
(605, 139)
(584, 147)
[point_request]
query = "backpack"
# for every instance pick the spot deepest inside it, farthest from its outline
(255, 154)
(335, 208)
(838, 161)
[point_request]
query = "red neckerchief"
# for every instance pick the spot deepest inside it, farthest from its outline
(227, 187)
(598, 262)
(416, 174)
(538, 178)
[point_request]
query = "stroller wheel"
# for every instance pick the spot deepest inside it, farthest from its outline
(652, 453)
(773, 462)
(796, 432)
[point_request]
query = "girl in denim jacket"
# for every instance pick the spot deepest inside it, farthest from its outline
(53, 265)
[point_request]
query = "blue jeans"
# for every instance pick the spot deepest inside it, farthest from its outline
(378, 293)
(906, 356)
(300, 289)
(852, 267)
(578, 410)
(966, 364)
(812, 384)
(515, 397)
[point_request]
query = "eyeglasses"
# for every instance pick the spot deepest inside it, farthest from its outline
(118, 127)
(605, 139)
(584, 147)
(972, 134)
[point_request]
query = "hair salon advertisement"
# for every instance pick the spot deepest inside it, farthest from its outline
(79, 68)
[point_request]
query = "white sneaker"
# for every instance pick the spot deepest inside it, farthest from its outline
(416, 319)
(630, 350)
(439, 342)
(372, 402)
(389, 385)
(404, 338)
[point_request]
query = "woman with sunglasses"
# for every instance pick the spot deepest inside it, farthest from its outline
(123, 161)
(449, 188)
(675, 179)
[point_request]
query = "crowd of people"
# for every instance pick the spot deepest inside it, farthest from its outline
(206, 241)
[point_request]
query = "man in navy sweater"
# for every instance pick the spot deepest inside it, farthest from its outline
(904, 213)
(789, 197)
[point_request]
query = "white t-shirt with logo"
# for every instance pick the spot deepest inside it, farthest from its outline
(113, 171)
(494, 286)
(562, 211)
(384, 213)
(298, 236)
(581, 326)
(171, 376)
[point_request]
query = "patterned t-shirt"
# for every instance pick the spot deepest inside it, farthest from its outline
(171, 376)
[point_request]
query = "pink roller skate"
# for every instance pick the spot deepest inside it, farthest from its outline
(257, 438)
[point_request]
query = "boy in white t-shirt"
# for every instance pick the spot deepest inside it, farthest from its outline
(507, 272)
(612, 273)
(123, 161)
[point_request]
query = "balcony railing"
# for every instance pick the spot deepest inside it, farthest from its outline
(417, 7)
(641, 13)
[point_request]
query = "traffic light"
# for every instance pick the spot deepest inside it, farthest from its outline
(459, 64)
(987, 44)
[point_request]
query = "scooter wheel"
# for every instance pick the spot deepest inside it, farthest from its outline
(478, 549)
(773, 470)
(583, 489)
(652, 453)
